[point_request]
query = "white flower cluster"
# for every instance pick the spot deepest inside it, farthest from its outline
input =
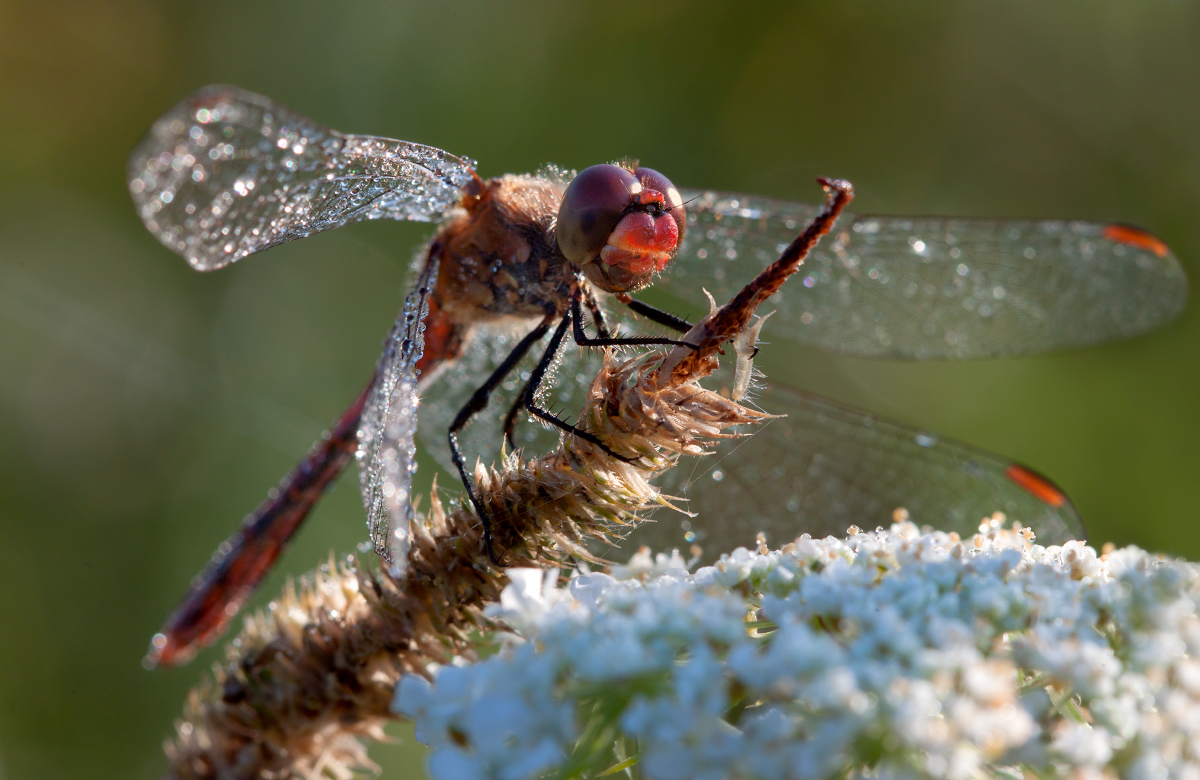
(887, 654)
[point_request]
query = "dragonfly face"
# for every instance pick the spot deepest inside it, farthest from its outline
(621, 226)
(227, 173)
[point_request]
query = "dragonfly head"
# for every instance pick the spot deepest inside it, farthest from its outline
(620, 225)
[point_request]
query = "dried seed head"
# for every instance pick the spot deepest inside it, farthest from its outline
(313, 673)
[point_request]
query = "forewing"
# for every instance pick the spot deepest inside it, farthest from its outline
(226, 173)
(930, 288)
(826, 467)
(386, 447)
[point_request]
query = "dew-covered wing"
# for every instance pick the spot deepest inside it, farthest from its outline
(826, 467)
(226, 173)
(927, 288)
(386, 446)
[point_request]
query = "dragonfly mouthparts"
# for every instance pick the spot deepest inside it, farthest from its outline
(641, 243)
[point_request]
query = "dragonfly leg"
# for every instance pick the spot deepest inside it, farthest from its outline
(589, 300)
(477, 403)
(655, 314)
(539, 373)
(575, 316)
(510, 419)
(584, 340)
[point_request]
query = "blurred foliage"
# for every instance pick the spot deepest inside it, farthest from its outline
(145, 408)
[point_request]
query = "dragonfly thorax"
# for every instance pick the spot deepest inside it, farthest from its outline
(497, 257)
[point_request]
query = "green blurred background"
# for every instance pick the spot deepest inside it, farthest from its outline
(144, 408)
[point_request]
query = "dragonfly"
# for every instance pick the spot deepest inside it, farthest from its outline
(518, 260)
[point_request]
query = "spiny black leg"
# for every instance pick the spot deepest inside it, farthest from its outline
(655, 314)
(477, 403)
(583, 340)
(510, 419)
(597, 314)
(539, 373)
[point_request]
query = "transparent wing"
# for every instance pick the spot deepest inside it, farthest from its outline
(227, 173)
(386, 447)
(819, 470)
(826, 467)
(934, 287)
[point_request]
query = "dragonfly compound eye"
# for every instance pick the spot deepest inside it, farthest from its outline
(620, 227)
(591, 208)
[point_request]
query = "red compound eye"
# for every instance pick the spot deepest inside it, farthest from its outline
(620, 227)
(591, 208)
